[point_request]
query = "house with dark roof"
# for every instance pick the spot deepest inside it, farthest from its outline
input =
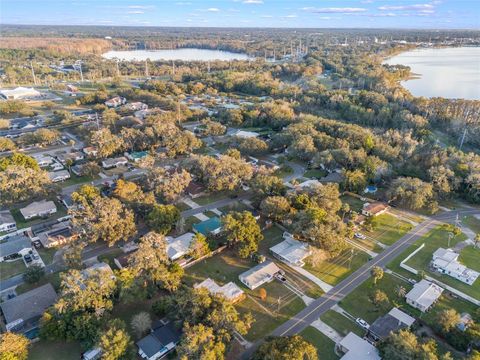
(15, 246)
(23, 312)
(393, 321)
(163, 338)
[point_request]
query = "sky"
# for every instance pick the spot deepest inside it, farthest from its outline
(434, 14)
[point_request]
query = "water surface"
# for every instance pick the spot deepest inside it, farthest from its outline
(176, 54)
(448, 72)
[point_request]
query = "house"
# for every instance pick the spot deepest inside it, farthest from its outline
(355, 348)
(23, 312)
(393, 321)
(374, 209)
(77, 169)
(15, 247)
(246, 134)
(136, 106)
(142, 114)
(230, 290)
(333, 177)
(56, 176)
(19, 93)
(7, 222)
(38, 208)
(291, 251)
(92, 354)
(210, 226)
(179, 246)
(98, 267)
(71, 88)
(423, 295)
(116, 102)
(162, 340)
(67, 201)
(59, 234)
(72, 156)
(122, 261)
(268, 165)
(43, 160)
(260, 274)
(90, 151)
(445, 261)
(136, 156)
(309, 184)
(55, 166)
(114, 162)
(195, 190)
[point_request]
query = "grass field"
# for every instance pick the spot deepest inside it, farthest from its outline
(334, 270)
(22, 223)
(11, 268)
(74, 179)
(54, 350)
(47, 254)
(211, 197)
(189, 222)
(388, 229)
(473, 223)
(470, 257)
(53, 279)
(355, 203)
(325, 346)
(315, 173)
(235, 206)
(341, 323)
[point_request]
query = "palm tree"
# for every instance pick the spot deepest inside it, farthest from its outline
(401, 291)
(377, 274)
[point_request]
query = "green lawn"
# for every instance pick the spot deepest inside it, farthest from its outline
(74, 179)
(271, 236)
(355, 203)
(47, 254)
(334, 270)
(283, 171)
(22, 223)
(55, 350)
(325, 346)
(182, 206)
(473, 223)
(388, 229)
(189, 222)
(11, 268)
(235, 206)
(358, 302)
(340, 323)
(209, 214)
(211, 197)
(268, 313)
(112, 254)
(470, 257)
(421, 261)
(54, 279)
(315, 173)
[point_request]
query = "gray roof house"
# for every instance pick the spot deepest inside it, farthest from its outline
(38, 208)
(23, 312)
(15, 245)
(7, 222)
(159, 342)
(393, 321)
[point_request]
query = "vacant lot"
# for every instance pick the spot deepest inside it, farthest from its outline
(388, 229)
(355, 203)
(325, 346)
(54, 350)
(11, 268)
(470, 257)
(473, 223)
(315, 173)
(341, 323)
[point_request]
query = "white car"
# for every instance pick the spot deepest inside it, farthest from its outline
(360, 236)
(362, 323)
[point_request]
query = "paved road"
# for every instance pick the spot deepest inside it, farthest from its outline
(318, 307)
(214, 205)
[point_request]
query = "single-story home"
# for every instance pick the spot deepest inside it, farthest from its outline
(7, 222)
(195, 190)
(90, 151)
(424, 295)
(291, 251)
(445, 261)
(59, 234)
(77, 169)
(230, 290)
(260, 274)
(56, 176)
(116, 102)
(23, 312)
(161, 341)
(374, 209)
(98, 267)
(136, 106)
(17, 245)
(246, 134)
(92, 354)
(38, 208)
(393, 321)
(136, 156)
(210, 226)
(72, 156)
(179, 246)
(308, 184)
(19, 93)
(43, 160)
(114, 162)
(355, 348)
(333, 177)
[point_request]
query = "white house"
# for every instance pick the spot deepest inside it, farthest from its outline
(445, 261)
(230, 290)
(423, 295)
(136, 106)
(38, 208)
(179, 246)
(7, 222)
(356, 348)
(291, 251)
(260, 274)
(116, 102)
(246, 134)
(43, 160)
(19, 93)
(114, 162)
(56, 176)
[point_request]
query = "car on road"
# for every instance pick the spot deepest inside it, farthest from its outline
(360, 236)
(362, 323)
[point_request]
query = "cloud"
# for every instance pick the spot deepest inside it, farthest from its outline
(407, 7)
(213, 9)
(252, 2)
(141, 7)
(334, 10)
(291, 16)
(183, 3)
(267, 16)
(136, 12)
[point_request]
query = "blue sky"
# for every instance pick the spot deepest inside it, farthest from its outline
(246, 13)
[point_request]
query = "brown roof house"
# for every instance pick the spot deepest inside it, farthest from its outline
(374, 209)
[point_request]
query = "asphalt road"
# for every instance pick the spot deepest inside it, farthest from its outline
(318, 307)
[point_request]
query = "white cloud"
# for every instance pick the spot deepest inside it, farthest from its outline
(183, 3)
(252, 1)
(267, 16)
(334, 10)
(213, 9)
(291, 16)
(407, 7)
(136, 12)
(142, 7)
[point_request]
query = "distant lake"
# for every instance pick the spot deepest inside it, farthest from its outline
(448, 72)
(188, 54)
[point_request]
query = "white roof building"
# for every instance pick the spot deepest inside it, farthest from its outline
(355, 348)
(43, 160)
(259, 275)
(230, 291)
(7, 222)
(423, 295)
(446, 262)
(246, 134)
(179, 246)
(291, 251)
(38, 208)
(114, 162)
(56, 176)
(19, 93)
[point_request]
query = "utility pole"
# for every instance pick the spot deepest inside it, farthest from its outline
(33, 74)
(81, 72)
(173, 67)
(463, 138)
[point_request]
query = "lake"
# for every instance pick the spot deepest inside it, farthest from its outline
(448, 72)
(189, 54)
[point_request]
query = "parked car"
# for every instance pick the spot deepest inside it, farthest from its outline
(412, 281)
(280, 277)
(28, 258)
(362, 323)
(360, 236)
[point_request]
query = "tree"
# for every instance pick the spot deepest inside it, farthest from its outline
(91, 169)
(276, 208)
(171, 186)
(105, 142)
(286, 348)
(400, 291)
(200, 343)
(355, 180)
(7, 144)
(377, 274)
(404, 345)
(163, 218)
(115, 341)
(242, 232)
(13, 346)
(263, 294)
(33, 274)
(251, 146)
(199, 246)
(448, 319)
(213, 128)
(267, 185)
(141, 323)
(380, 299)
(412, 193)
